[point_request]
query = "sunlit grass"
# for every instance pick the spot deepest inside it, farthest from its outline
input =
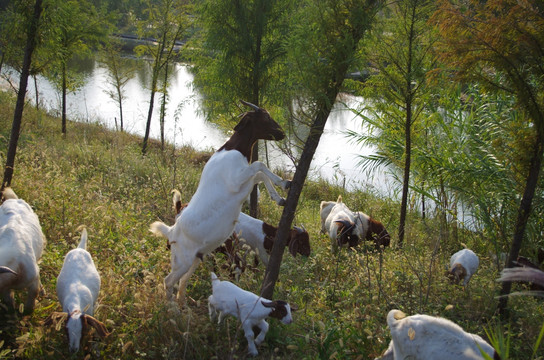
(98, 178)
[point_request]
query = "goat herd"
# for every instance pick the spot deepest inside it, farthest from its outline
(202, 226)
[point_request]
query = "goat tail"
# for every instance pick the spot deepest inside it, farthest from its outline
(339, 200)
(393, 317)
(214, 277)
(159, 228)
(8, 193)
(83, 241)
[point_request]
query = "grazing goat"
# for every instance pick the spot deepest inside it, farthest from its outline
(250, 309)
(463, 264)
(428, 337)
(21, 245)
(78, 285)
(346, 227)
(227, 179)
(260, 237)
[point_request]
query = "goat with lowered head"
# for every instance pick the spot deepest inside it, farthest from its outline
(78, 285)
(463, 264)
(226, 180)
(21, 246)
(429, 337)
(250, 309)
(347, 227)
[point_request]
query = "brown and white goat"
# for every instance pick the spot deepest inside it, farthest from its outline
(346, 227)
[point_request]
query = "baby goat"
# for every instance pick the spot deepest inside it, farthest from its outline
(252, 310)
(78, 285)
(428, 337)
(226, 180)
(463, 264)
(21, 246)
(346, 227)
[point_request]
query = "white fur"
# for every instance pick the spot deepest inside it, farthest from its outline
(467, 259)
(333, 211)
(427, 337)
(250, 231)
(229, 299)
(78, 285)
(210, 216)
(21, 246)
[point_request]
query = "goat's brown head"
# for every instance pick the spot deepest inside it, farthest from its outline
(345, 233)
(260, 124)
(378, 234)
(76, 325)
(299, 242)
(456, 273)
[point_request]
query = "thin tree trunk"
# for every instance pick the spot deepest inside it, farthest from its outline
(523, 217)
(63, 98)
(19, 105)
(35, 78)
(163, 105)
(120, 96)
(148, 123)
(288, 215)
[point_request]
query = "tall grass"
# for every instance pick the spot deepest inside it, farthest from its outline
(98, 178)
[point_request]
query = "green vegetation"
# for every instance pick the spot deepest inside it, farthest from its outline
(98, 178)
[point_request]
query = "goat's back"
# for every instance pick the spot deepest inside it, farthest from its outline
(427, 337)
(78, 278)
(232, 300)
(214, 208)
(467, 258)
(21, 242)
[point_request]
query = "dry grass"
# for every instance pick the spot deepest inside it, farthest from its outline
(98, 178)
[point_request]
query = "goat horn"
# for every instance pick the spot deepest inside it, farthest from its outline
(5, 269)
(253, 106)
(298, 229)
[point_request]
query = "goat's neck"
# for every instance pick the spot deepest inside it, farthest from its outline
(241, 142)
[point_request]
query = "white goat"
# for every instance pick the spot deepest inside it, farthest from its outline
(250, 309)
(227, 179)
(427, 337)
(21, 246)
(260, 237)
(463, 264)
(347, 227)
(78, 285)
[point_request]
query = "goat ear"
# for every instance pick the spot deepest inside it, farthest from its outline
(57, 319)
(268, 304)
(98, 325)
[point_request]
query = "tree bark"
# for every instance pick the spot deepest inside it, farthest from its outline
(523, 216)
(276, 256)
(19, 105)
(64, 99)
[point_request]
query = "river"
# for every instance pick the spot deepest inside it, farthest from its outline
(335, 160)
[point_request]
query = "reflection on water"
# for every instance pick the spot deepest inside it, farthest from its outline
(336, 157)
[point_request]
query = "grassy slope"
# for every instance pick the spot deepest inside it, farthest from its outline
(98, 178)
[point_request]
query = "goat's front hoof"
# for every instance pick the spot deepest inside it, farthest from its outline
(287, 184)
(282, 202)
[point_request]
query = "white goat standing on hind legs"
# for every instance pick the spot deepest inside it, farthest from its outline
(226, 181)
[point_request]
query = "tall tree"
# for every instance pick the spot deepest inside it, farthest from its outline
(120, 71)
(499, 43)
(401, 52)
(33, 24)
(323, 45)
(242, 52)
(73, 27)
(166, 23)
